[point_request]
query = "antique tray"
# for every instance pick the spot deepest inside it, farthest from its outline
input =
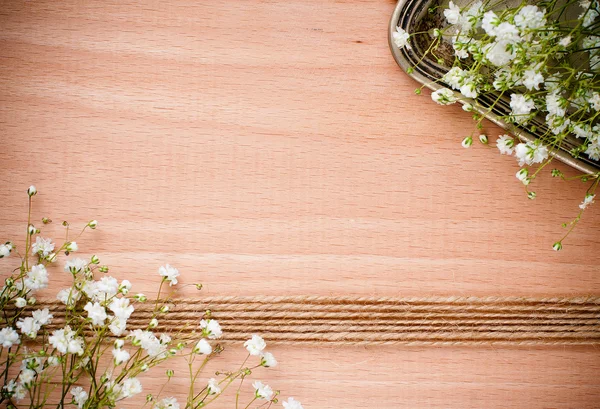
(413, 16)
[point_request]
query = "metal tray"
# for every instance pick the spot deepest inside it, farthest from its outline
(413, 16)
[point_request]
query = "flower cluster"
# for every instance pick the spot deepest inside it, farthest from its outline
(538, 64)
(40, 348)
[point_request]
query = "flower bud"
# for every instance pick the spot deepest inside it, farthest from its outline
(119, 343)
(45, 220)
(140, 297)
(467, 107)
(32, 191)
(9, 282)
(95, 259)
(71, 246)
(103, 269)
(153, 323)
(125, 287)
(556, 173)
(149, 398)
(557, 246)
(31, 301)
(170, 373)
(531, 195)
(467, 142)
(145, 368)
(522, 174)
(20, 302)
(32, 230)
(164, 309)
(483, 139)
(92, 224)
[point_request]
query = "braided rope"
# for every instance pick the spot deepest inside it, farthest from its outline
(363, 321)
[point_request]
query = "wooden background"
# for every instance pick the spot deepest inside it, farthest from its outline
(267, 147)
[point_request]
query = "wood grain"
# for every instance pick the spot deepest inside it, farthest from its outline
(269, 147)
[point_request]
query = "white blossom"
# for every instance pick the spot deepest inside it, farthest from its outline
(37, 278)
(262, 391)
(532, 79)
(42, 247)
(530, 153)
(96, 313)
(521, 106)
(68, 296)
(9, 337)
(588, 200)
(71, 246)
(268, 360)
(498, 53)
(148, 341)
(20, 302)
(120, 355)
(211, 329)
(42, 317)
(452, 14)
(121, 308)
(202, 347)
(255, 345)
(213, 387)
(167, 403)
(291, 403)
(75, 265)
(490, 22)
(400, 38)
(5, 249)
(169, 274)
(444, 96)
(530, 17)
(80, 396)
(28, 326)
(65, 341)
(129, 388)
(593, 151)
(505, 144)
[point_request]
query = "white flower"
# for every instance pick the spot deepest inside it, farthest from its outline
(213, 387)
(96, 313)
(454, 77)
(65, 341)
(211, 329)
(52, 361)
(105, 288)
(291, 403)
(42, 317)
(120, 355)
(148, 341)
(167, 403)
(202, 347)
(169, 273)
(530, 17)
(130, 387)
(472, 17)
(68, 296)
(507, 33)
(75, 265)
(532, 79)
(490, 22)
(262, 391)
(521, 107)
(121, 308)
(9, 337)
(565, 41)
(268, 360)
(468, 88)
(588, 200)
(80, 396)
(37, 278)
(400, 38)
(27, 376)
(443, 96)
(164, 339)
(125, 287)
(498, 53)
(530, 153)
(28, 326)
(117, 326)
(523, 176)
(42, 247)
(255, 345)
(20, 302)
(5, 249)
(452, 14)
(71, 246)
(595, 101)
(555, 104)
(505, 144)
(593, 151)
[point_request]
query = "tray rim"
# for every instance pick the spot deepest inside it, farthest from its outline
(404, 64)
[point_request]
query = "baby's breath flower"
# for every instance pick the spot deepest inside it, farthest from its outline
(32, 191)
(42, 247)
(588, 200)
(262, 391)
(444, 96)
(169, 274)
(483, 139)
(20, 302)
(213, 387)
(75, 265)
(211, 329)
(400, 38)
(505, 144)
(96, 313)
(125, 287)
(202, 347)
(153, 323)
(42, 317)
(167, 403)
(255, 345)
(120, 356)
(71, 246)
(140, 297)
(9, 337)
(37, 278)
(80, 396)
(291, 403)
(28, 326)
(65, 341)
(268, 360)
(5, 249)
(557, 246)
(92, 224)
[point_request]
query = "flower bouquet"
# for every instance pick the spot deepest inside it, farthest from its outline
(89, 349)
(533, 69)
